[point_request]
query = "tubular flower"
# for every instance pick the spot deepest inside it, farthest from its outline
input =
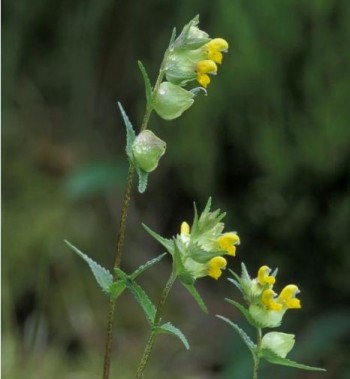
(268, 299)
(215, 267)
(264, 278)
(205, 67)
(215, 48)
(287, 297)
(227, 243)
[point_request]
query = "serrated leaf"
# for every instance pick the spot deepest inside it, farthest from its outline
(172, 38)
(167, 243)
(246, 339)
(146, 266)
(140, 295)
(245, 313)
(130, 133)
(272, 357)
(148, 87)
(197, 297)
(103, 277)
(171, 329)
(143, 179)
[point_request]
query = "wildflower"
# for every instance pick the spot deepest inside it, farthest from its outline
(215, 267)
(198, 250)
(264, 277)
(287, 297)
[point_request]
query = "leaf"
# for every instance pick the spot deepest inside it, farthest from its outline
(168, 244)
(172, 38)
(171, 329)
(235, 283)
(140, 295)
(246, 339)
(117, 288)
(272, 357)
(197, 297)
(148, 87)
(130, 133)
(103, 277)
(245, 274)
(146, 266)
(143, 179)
(245, 313)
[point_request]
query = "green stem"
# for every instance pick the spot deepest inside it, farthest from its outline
(256, 357)
(157, 320)
(122, 227)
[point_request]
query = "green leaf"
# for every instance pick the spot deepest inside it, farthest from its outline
(245, 274)
(245, 313)
(167, 243)
(171, 329)
(130, 133)
(172, 38)
(147, 82)
(237, 284)
(146, 266)
(143, 179)
(103, 277)
(272, 357)
(140, 295)
(197, 297)
(246, 339)
(117, 288)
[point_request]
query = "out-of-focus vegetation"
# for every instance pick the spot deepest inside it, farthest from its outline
(270, 143)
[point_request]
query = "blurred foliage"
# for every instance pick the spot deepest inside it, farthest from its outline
(270, 143)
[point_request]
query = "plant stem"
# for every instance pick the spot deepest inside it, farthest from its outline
(256, 357)
(122, 227)
(157, 320)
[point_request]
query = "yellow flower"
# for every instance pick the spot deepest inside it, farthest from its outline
(264, 277)
(268, 299)
(205, 67)
(227, 242)
(215, 266)
(215, 48)
(287, 297)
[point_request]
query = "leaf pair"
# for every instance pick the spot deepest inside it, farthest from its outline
(114, 288)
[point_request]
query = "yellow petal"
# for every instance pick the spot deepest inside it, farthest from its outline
(203, 80)
(215, 265)
(264, 277)
(227, 241)
(207, 66)
(185, 229)
(218, 44)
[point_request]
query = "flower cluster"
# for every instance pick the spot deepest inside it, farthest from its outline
(198, 250)
(192, 56)
(266, 308)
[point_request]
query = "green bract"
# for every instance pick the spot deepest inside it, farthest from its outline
(171, 101)
(147, 150)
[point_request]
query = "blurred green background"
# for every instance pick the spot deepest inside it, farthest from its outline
(270, 143)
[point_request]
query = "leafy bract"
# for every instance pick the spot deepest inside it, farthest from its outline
(148, 87)
(130, 133)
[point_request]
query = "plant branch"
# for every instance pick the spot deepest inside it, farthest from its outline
(256, 356)
(157, 320)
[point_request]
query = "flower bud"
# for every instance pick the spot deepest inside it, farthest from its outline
(280, 343)
(147, 150)
(172, 100)
(266, 318)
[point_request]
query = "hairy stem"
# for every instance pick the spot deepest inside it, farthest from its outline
(256, 357)
(157, 319)
(122, 227)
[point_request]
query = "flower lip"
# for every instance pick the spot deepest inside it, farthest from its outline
(215, 266)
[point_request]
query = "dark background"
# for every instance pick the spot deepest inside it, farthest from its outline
(270, 143)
